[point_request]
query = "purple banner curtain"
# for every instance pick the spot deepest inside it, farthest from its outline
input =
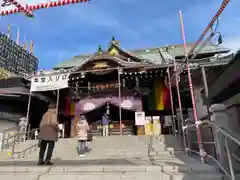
(90, 104)
(127, 103)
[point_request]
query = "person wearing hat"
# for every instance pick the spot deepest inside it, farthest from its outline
(82, 135)
(48, 135)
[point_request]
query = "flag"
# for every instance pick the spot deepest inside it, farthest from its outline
(25, 43)
(31, 47)
(9, 31)
(18, 37)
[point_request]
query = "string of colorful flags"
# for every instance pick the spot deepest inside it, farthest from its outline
(30, 8)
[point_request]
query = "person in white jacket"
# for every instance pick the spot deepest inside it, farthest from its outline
(82, 135)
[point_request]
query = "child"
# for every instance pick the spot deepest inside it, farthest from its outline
(82, 130)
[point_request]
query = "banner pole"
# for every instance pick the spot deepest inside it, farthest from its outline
(28, 111)
(119, 99)
(57, 104)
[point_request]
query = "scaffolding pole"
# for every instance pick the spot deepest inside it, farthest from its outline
(171, 100)
(177, 79)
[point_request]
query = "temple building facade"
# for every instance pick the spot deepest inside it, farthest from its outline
(120, 82)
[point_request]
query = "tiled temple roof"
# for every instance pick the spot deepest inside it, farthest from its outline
(157, 55)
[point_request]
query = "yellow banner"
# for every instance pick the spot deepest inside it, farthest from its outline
(159, 98)
(72, 109)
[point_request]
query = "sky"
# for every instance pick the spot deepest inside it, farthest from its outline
(63, 32)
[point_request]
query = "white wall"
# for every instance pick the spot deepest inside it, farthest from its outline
(201, 109)
(4, 124)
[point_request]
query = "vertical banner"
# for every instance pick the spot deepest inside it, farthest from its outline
(18, 37)
(156, 126)
(159, 87)
(72, 108)
(149, 126)
(67, 106)
(140, 118)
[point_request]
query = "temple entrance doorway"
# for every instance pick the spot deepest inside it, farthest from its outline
(94, 119)
(128, 121)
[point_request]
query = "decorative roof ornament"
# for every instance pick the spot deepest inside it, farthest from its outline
(220, 40)
(113, 39)
(100, 51)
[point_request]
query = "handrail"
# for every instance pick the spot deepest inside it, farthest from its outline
(236, 157)
(9, 129)
(16, 138)
(224, 132)
(19, 153)
(227, 136)
(215, 160)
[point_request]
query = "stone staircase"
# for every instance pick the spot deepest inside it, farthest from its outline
(113, 157)
(114, 131)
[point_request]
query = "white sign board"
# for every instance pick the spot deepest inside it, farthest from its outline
(5, 5)
(140, 118)
(156, 119)
(49, 82)
(168, 121)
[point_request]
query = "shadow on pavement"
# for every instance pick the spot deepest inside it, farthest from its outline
(78, 162)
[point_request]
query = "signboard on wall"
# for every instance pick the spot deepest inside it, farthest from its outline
(168, 121)
(49, 82)
(140, 118)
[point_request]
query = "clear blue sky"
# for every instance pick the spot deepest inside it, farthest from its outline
(60, 33)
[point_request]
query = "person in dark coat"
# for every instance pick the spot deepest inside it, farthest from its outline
(48, 135)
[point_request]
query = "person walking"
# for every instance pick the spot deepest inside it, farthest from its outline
(48, 135)
(82, 130)
(105, 124)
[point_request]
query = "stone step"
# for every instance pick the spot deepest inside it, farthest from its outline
(78, 167)
(166, 153)
(110, 176)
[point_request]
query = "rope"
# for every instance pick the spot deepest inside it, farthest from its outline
(20, 7)
(200, 144)
(209, 27)
(34, 7)
(186, 59)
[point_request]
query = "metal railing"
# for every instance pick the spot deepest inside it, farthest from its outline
(228, 171)
(29, 150)
(10, 141)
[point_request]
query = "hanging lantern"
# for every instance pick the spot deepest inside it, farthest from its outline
(108, 109)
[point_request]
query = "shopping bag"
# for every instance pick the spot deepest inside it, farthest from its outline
(90, 137)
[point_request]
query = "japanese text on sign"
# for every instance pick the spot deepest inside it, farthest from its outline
(48, 83)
